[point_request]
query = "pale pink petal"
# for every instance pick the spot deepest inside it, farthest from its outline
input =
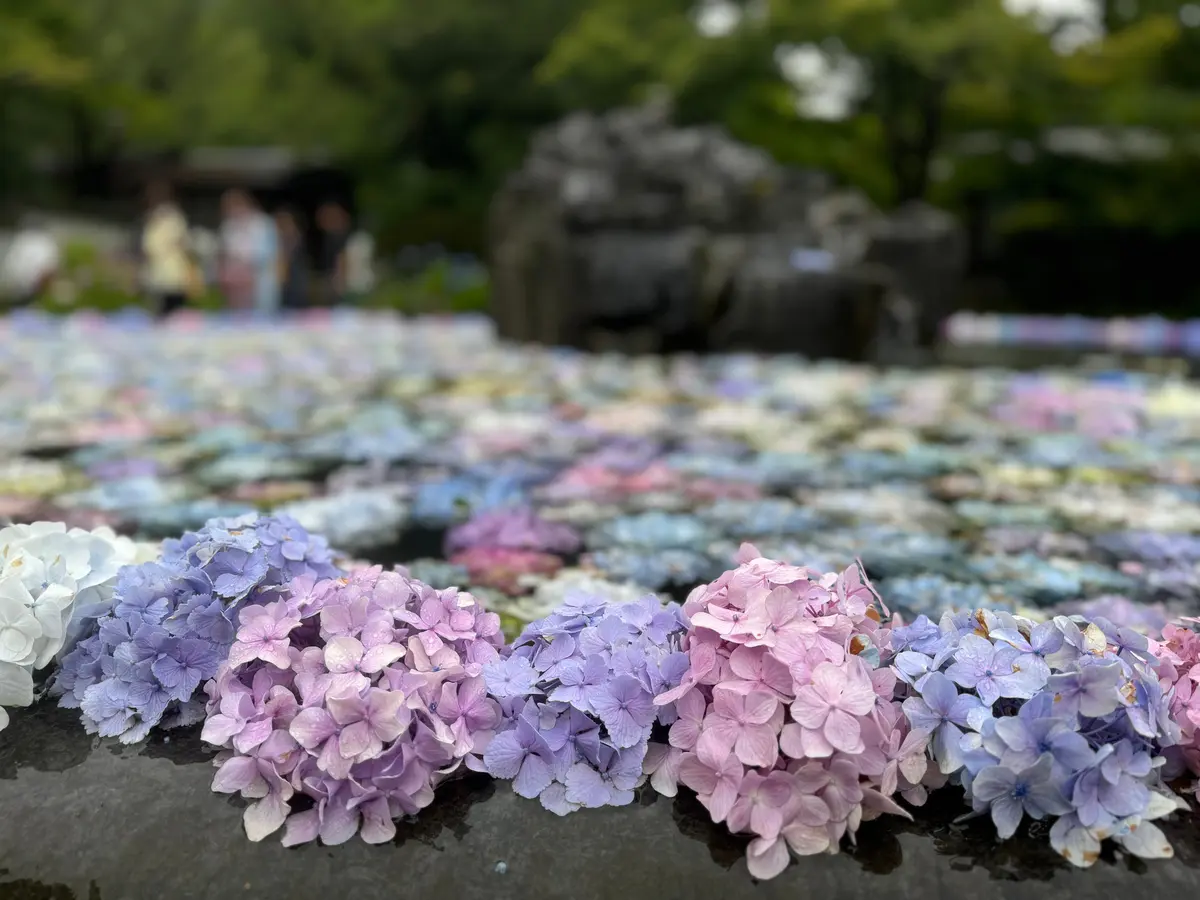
(696, 775)
(858, 695)
(806, 840)
(830, 681)
(843, 732)
(757, 745)
(265, 816)
(767, 858)
(790, 741)
(718, 737)
(235, 774)
(724, 795)
(814, 745)
(691, 705)
(759, 707)
(684, 734)
(810, 709)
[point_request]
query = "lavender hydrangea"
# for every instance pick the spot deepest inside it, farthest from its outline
(577, 696)
(1064, 719)
(361, 693)
(518, 528)
(172, 622)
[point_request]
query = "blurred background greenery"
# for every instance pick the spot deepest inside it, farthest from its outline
(1068, 131)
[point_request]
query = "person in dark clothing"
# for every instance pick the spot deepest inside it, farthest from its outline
(334, 224)
(293, 261)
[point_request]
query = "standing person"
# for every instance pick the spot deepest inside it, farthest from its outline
(166, 259)
(293, 261)
(249, 253)
(334, 223)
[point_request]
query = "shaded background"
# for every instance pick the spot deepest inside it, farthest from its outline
(1062, 132)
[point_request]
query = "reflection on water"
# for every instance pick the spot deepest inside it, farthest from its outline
(181, 746)
(451, 805)
(971, 846)
(46, 739)
(43, 737)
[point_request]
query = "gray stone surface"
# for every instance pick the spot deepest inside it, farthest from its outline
(87, 818)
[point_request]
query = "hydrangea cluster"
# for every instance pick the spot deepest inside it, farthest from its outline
(1178, 665)
(51, 579)
(172, 621)
(361, 693)
(577, 695)
(1063, 719)
(517, 528)
(505, 570)
(785, 723)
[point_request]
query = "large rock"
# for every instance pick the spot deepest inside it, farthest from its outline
(622, 223)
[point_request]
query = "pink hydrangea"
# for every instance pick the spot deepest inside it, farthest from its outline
(502, 569)
(1178, 659)
(787, 726)
(362, 692)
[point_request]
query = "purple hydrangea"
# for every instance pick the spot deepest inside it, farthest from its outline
(518, 528)
(578, 700)
(361, 693)
(172, 622)
(1063, 719)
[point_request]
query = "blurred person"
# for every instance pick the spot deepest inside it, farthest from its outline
(360, 269)
(249, 255)
(30, 265)
(292, 261)
(334, 224)
(168, 273)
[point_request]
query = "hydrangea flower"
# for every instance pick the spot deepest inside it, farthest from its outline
(1067, 719)
(577, 695)
(655, 569)
(361, 693)
(513, 529)
(505, 570)
(173, 620)
(786, 725)
(1177, 657)
(51, 582)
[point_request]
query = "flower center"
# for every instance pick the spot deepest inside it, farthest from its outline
(1020, 791)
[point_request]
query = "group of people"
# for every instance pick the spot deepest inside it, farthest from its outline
(259, 262)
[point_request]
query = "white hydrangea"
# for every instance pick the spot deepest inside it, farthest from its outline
(51, 579)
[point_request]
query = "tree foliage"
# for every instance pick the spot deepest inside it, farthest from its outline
(429, 104)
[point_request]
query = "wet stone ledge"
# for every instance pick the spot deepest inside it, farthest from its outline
(82, 817)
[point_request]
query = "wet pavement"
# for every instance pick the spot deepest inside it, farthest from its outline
(82, 818)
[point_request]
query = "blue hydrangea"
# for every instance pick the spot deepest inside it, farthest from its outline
(651, 531)
(656, 569)
(577, 696)
(932, 595)
(1061, 719)
(172, 622)
(775, 517)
